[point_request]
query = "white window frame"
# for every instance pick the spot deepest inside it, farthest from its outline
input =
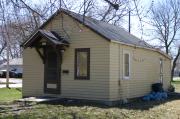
(126, 77)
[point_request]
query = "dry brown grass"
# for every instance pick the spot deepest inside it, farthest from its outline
(167, 109)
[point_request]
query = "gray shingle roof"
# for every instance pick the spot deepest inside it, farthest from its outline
(111, 32)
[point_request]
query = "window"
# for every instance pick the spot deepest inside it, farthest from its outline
(161, 70)
(82, 63)
(126, 65)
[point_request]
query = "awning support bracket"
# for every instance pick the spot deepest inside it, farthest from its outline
(40, 54)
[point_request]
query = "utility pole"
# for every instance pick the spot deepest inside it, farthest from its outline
(51, 7)
(60, 4)
(84, 10)
(7, 71)
(129, 26)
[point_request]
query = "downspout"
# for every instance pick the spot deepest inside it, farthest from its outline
(119, 82)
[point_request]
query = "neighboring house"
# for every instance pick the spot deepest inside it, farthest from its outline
(177, 68)
(72, 57)
(14, 65)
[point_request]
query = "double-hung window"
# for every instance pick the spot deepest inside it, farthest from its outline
(82, 63)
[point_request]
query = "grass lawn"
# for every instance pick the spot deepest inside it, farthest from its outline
(167, 109)
(176, 85)
(8, 95)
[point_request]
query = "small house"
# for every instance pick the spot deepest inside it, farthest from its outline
(76, 57)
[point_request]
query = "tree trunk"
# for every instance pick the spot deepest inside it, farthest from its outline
(174, 64)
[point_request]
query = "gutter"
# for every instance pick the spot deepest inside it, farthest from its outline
(152, 49)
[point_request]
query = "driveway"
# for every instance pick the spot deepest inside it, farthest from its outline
(17, 83)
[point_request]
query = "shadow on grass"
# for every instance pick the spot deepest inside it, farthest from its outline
(65, 104)
(146, 105)
(12, 108)
(19, 89)
(175, 82)
(136, 104)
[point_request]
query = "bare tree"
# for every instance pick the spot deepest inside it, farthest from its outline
(114, 16)
(24, 17)
(6, 37)
(165, 18)
(17, 21)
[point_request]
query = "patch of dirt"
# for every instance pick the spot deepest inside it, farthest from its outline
(164, 109)
(14, 108)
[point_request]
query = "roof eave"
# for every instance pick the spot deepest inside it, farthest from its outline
(152, 49)
(50, 40)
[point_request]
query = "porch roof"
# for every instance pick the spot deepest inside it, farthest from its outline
(51, 36)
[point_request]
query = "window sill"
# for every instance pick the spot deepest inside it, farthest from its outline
(126, 78)
(81, 78)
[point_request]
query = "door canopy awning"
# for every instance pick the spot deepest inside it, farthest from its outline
(50, 37)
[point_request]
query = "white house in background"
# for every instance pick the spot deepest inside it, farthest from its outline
(14, 65)
(177, 68)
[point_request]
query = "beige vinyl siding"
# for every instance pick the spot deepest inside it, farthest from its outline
(97, 88)
(115, 68)
(82, 37)
(33, 73)
(144, 70)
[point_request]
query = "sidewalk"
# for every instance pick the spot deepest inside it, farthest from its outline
(17, 83)
(11, 86)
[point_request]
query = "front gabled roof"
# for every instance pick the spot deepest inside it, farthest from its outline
(108, 31)
(51, 36)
